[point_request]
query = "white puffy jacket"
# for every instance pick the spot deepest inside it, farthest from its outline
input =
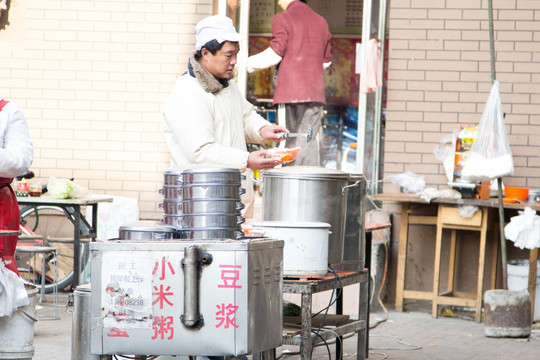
(206, 123)
(16, 149)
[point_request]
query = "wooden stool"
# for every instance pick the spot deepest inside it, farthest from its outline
(43, 251)
(448, 217)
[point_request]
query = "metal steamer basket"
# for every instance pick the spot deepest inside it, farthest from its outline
(204, 220)
(179, 207)
(203, 202)
(202, 175)
(203, 191)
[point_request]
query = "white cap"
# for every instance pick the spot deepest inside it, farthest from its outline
(217, 27)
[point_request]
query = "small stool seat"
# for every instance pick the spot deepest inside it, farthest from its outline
(35, 249)
(43, 251)
(448, 217)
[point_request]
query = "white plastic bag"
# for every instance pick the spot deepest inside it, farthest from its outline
(445, 152)
(429, 194)
(524, 229)
(410, 182)
(121, 211)
(490, 156)
(65, 189)
(12, 292)
(467, 211)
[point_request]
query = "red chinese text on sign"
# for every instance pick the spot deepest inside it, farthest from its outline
(163, 325)
(116, 332)
(164, 265)
(230, 274)
(161, 295)
(224, 315)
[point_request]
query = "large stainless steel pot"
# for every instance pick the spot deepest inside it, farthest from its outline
(203, 175)
(307, 193)
(354, 238)
(179, 207)
(80, 325)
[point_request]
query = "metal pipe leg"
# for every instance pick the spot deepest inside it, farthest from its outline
(43, 270)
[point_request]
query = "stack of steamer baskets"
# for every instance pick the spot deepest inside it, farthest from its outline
(204, 202)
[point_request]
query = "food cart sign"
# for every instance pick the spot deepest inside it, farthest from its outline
(126, 290)
(138, 304)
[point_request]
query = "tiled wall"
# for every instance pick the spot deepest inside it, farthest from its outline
(439, 78)
(92, 78)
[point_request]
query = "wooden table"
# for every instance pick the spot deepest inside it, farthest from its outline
(407, 219)
(73, 207)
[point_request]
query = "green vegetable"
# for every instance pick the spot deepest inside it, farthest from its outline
(61, 189)
(291, 309)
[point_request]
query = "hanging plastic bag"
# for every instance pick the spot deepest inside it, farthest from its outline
(524, 229)
(490, 156)
(12, 292)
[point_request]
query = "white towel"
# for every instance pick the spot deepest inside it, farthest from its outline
(372, 73)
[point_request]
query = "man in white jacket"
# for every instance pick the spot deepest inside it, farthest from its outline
(206, 119)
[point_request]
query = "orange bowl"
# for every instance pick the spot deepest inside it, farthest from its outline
(283, 155)
(514, 192)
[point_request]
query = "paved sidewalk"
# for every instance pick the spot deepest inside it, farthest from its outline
(410, 335)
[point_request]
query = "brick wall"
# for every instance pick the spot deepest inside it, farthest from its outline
(92, 78)
(439, 78)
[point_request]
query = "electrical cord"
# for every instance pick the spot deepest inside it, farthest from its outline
(332, 301)
(336, 288)
(384, 356)
(399, 341)
(326, 345)
(337, 338)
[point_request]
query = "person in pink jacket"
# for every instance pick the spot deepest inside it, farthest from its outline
(300, 45)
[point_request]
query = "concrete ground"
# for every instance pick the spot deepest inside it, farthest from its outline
(400, 335)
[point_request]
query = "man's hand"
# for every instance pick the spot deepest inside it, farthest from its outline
(271, 132)
(258, 161)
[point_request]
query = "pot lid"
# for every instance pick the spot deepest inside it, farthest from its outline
(83, 288)
(147, 226)
(306, 172)
(201, 168)
(206, 200)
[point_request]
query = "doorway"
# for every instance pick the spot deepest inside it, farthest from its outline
(253, 19)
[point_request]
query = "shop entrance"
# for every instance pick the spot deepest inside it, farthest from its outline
(345, 18)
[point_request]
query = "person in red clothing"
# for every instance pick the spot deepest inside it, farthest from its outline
(16, 156)
(300, 45)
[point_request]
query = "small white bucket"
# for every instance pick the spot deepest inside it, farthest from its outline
(518, 280)
(306, 245)
(17, 331)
